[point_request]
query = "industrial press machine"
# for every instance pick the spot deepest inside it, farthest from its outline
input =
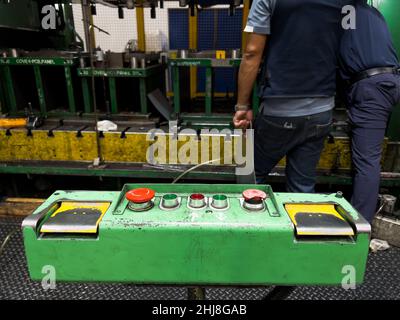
(185, 234)
(61, 85)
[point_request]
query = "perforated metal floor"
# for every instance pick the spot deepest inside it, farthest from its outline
(382, 281)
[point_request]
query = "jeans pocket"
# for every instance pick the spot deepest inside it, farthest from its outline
(322, 130)
(279, 130)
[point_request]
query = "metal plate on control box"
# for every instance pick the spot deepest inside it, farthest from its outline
(76, 217)
(318, 220)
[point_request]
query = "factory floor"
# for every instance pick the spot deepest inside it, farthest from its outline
(381, 282)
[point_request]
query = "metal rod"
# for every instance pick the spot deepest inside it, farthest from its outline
(91, 51)
(176, 88)
(70, 89)
(140, 29)
(193, 46)
(86, 29)
(245, 14)
(209, 90)
(40, 90)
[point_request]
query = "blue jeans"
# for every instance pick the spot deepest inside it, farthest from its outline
(300, 139)
(370, 104)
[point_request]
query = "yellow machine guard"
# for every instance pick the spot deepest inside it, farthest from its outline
(318, 220)
(76, 217)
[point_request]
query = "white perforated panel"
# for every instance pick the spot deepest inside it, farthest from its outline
(123, 30)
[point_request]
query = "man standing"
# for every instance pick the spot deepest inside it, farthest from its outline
(298, 84)
(369, 64)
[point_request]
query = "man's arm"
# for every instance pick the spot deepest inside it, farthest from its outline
(247, 76)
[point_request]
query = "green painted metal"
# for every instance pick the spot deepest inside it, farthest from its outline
(9, 87)
(120, 73)
(38, 61)
(86, 95)
(141, 73)
(176, 89)
(209, 90)
(69, 33)
(143, 96)
(70, 89)
(21, 15)
(3, 101)
(391, 9)
(227, 175)
(40, 91)
(84, 169)
(113, 95)
(204, 247)
(204, 62)
(209, 64)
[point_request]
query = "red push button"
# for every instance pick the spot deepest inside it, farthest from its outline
(197, 196)
(254, 194)
(197, 201)
(141, 195)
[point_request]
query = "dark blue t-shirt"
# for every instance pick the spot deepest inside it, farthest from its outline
(368, 46)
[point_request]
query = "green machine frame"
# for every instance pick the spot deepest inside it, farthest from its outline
(11, 107)
(389, 8)
(146, 80)
(209, 64)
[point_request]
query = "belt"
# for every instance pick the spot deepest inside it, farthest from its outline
(373, 72)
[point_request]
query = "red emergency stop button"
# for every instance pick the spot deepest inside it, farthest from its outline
(252, 194)
(254, 200)
(141, 195)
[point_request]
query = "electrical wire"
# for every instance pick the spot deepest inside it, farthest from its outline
(8, 237)
(209, 162)
(254, 177)
(194, 168)
(380, 209)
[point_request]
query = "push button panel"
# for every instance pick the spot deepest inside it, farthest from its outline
(146, 199)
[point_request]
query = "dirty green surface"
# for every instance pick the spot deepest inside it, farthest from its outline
(185, 246)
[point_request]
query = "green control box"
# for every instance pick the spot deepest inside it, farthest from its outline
(197, 234)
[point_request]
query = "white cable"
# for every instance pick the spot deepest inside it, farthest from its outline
(3, 245)
(205, 163)
(193, 168)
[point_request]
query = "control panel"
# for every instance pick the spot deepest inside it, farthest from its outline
(196, 234)
(143, 199)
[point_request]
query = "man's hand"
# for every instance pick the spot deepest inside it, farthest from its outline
(242, 119)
